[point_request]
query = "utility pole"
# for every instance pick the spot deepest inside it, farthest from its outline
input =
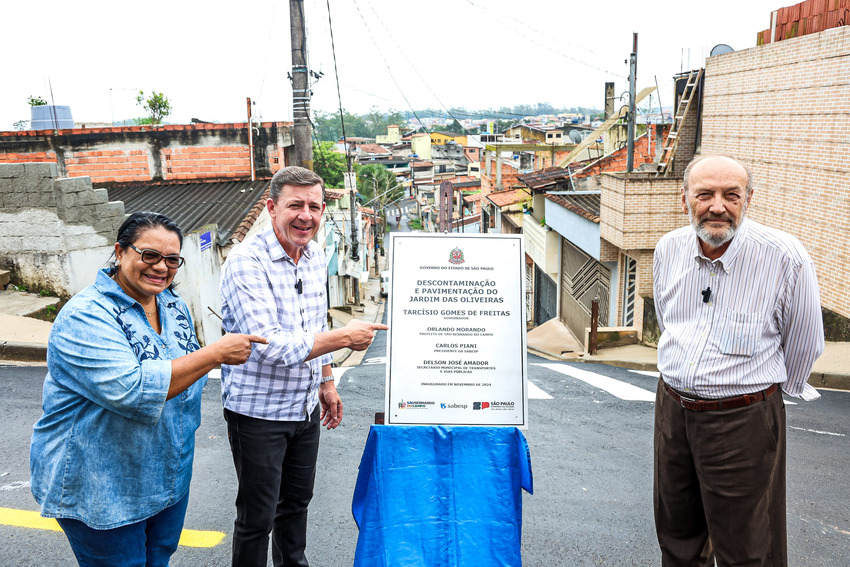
(302, 154)
(630, 143)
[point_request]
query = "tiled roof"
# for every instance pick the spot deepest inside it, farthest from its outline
(373, 149)
(586, 206)
(509, 197)
(544, 178)
(334, 194)
(474, 198)
(195, 204)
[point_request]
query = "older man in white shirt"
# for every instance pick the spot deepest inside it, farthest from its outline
(739, 312)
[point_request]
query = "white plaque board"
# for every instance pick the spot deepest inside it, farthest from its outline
(456, 350)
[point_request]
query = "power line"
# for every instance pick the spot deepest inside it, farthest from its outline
(534, 40)
(372, 37)
(412, 66)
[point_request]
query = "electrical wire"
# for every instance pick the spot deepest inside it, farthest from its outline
(412, 66)
(534, 40)
(372, 37)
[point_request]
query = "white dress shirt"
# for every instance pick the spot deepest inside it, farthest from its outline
(761, 324)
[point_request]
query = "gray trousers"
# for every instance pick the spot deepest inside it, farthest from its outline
(719, 484)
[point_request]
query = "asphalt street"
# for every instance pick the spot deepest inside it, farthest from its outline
(590, 437)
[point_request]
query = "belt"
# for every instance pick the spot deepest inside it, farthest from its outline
(725, 403)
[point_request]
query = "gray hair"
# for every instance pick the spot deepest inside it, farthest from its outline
(700, 157)
(294, 175)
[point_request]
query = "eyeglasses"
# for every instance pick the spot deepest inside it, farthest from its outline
(153, 257)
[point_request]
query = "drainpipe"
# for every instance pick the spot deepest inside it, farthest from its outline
(250, 139)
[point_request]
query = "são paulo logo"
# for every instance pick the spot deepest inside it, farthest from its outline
(456, 256)
(493, 405)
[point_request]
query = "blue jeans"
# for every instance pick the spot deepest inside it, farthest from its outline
(276, 467)
(149, 543)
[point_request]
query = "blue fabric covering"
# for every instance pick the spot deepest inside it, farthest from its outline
(441, 497)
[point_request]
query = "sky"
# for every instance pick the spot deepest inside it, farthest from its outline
(209, 57)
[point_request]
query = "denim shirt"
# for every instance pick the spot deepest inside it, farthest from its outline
(109, 449)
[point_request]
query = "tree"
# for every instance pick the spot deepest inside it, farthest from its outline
(36, 101)
(156, 105)
(455, 127)
(329, 164)
(378, 187)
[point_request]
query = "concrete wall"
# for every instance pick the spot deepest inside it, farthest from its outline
(197, 282)
(784, 109)
(54, 233)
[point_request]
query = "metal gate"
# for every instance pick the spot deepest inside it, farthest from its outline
(582, 280)
(529, 294)
(629, 287)
(545, 297)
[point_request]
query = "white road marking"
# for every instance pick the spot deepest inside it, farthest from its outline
(15, 485)
(338, 372)
(622, 390)
(535, 393)
(816, 431)
(375, 360)
(215, 374)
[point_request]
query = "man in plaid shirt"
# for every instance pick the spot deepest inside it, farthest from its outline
(274, 284)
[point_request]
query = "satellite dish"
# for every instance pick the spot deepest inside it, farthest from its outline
(720, 49)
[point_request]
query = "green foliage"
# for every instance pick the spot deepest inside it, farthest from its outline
(45, 293)
(143, 121)
(36, 101)
(454, 127)
(377, 183)
(20, 288)
(51, 309)
(329, 164)
(328, 127)
(156, 105)
(415, 224)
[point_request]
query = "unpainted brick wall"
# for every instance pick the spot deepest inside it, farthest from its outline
(784, 109)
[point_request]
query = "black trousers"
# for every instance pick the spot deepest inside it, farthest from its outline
(719, 484)
(276, 466)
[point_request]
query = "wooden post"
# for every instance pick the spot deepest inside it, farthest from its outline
(594, 325)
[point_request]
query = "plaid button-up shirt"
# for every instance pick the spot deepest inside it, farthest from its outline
(260, 296)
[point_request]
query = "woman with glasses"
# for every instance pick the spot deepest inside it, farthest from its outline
(111, 457)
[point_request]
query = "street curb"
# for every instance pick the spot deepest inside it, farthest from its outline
(23, 352)
(830, 380)
(627, 364)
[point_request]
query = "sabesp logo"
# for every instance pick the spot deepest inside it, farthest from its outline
(480, 405)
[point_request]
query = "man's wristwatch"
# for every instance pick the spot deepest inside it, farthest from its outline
(328, 378)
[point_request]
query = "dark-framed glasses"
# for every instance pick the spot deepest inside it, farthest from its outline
(153, 257)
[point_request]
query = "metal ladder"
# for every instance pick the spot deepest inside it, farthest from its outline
(672, 141)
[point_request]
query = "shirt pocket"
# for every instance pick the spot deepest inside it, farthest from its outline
(740, 332)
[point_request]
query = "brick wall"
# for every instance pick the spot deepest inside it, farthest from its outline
(143, 153)
(784, 109)
(637, 209)
(645, 150)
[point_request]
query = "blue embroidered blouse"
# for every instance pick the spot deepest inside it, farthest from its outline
(109, 449)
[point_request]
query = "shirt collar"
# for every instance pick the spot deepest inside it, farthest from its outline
(727, 260)
(275, 248)
(110, 288)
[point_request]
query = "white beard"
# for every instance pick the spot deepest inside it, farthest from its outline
(714, 240)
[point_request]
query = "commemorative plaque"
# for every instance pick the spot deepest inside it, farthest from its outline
(456, 351)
